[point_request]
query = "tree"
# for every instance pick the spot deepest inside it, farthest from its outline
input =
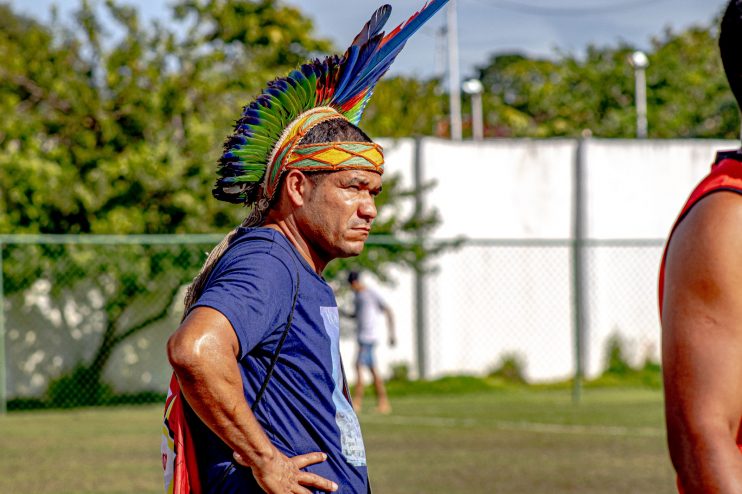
(687, 91)
(120, 134)
(388, 114)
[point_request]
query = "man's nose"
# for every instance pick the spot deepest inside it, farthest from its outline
(367, 209)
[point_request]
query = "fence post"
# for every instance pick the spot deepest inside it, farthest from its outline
(579, 299)
(420, 281)
(3, 362)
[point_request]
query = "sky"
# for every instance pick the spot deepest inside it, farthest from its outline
(541, 28)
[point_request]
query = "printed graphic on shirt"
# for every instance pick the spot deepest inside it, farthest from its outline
(350, 430)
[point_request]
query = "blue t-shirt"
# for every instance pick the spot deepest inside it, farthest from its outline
(305, 406)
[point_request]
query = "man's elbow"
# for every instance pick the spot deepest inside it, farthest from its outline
(181, 353)
(702, 438)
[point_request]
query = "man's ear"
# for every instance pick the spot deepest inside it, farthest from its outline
(296, 187)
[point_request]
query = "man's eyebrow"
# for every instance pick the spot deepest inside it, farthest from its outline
(358, 181)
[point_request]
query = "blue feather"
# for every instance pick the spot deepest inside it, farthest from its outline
(383, 58)
(349, 61)
(374, 25)
(364, 55)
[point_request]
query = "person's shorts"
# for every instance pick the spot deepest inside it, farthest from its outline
(366, 355)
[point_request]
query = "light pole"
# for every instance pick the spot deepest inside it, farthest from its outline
(454, 80)
(474, 88)
(640, 62)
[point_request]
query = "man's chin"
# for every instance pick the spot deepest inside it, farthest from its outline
(352, 249)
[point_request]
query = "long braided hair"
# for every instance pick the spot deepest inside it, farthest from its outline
(336, 130)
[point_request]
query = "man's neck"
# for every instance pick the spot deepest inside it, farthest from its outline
(288, 229)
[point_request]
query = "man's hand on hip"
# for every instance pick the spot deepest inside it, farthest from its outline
(283, 475)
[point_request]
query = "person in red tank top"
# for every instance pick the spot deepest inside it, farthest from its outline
(701, 310)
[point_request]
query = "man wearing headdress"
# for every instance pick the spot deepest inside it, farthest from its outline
(701, 308)
(259, 376)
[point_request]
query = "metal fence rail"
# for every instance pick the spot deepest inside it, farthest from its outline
(85, 319)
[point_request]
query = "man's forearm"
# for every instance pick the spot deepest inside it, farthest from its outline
(709, 462)
(217, 398)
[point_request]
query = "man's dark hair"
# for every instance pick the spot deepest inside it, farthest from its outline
(730, 47)
(335, 130)
(353, 276)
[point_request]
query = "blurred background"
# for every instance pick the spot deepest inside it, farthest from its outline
(537, 156)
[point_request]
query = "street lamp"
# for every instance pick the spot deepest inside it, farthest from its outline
(454, 80)
(474, 88)
(640, 62)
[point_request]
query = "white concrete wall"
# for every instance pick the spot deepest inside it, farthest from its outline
(484, 302)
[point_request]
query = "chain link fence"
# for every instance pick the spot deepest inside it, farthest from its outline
(86, 319)
(514, 302)
(623, 300)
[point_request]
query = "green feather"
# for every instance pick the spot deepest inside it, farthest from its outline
(262, 141)
(250, 154)
(288, 104)
(301, 90)
(270, 120)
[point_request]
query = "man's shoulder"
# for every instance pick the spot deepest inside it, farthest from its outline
(372, 296)
(257, 250)
(259, 244)
(709, 238)
(716, 210)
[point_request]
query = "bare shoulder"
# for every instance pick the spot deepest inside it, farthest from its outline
(710, 234)
(703, 259)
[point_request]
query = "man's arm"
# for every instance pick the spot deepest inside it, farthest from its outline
(702, 345)
(203, 353)
(390, 325)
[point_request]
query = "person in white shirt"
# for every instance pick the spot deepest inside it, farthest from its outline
(368, 307)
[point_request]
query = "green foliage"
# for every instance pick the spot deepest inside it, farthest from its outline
(389, 113)
(80, 387)
(687, 88)
(687, 92)
(443, 386)
(511, 368)
(400, 372)
(616, 362)
(649, 376)
(620, 372)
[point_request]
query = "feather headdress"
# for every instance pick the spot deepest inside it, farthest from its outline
(340, 86)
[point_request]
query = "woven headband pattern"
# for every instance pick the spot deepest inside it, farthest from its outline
(338, 156)
(289, 154)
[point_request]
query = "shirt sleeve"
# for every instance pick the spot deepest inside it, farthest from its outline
(379, 301)
(253, 290)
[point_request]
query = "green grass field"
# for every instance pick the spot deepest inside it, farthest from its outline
(506, 441)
